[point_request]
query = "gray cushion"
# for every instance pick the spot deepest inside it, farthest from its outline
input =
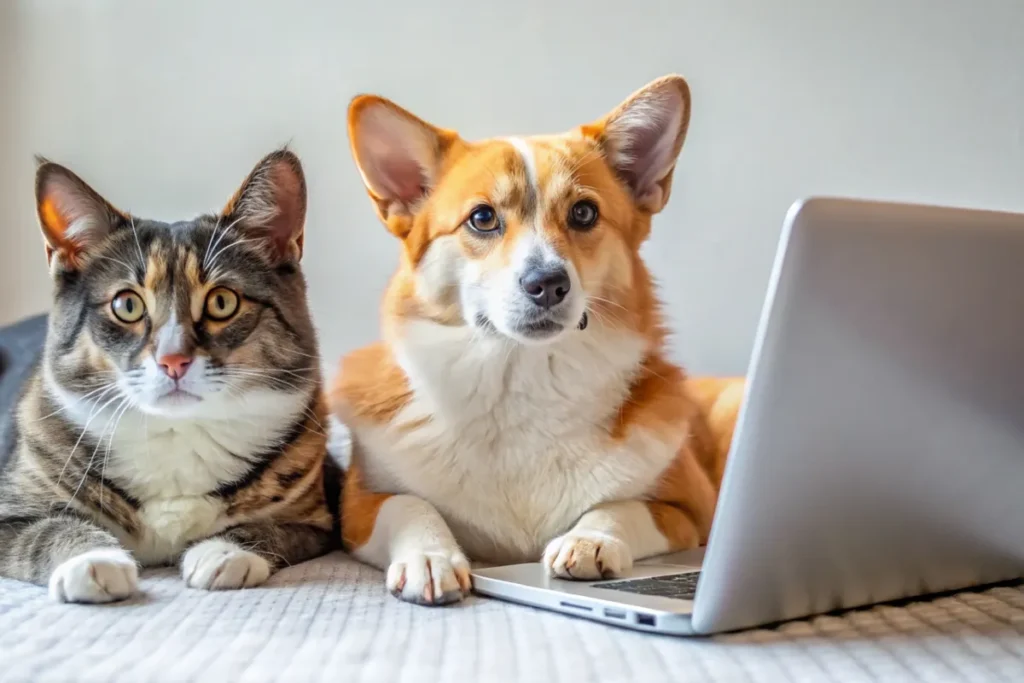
(21, 344)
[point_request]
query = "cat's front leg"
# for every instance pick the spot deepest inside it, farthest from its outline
(79, 561)
(246, 555)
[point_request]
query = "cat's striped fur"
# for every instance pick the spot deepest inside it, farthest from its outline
(192, 434)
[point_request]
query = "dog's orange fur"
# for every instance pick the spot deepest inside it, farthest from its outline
(660, 403)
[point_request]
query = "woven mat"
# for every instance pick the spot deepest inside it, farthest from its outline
(331, 620)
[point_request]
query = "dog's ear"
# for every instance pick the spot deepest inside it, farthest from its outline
(399, 157)
(74, 217)
(642, 137)
(270, 206)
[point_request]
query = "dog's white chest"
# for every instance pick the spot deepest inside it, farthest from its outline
(511, 447)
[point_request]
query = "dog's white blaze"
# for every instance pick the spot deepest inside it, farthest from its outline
(537, 247)
(529, 161)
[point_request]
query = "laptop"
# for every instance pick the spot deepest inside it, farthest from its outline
(879, 453)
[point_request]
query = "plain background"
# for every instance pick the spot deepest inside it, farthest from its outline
(165, 106)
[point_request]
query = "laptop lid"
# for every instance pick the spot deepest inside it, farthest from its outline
(880, 450)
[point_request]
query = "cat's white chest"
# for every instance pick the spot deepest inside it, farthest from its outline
(510, 448)
(156, 460)
(173, 468)
(169, 525)
(173, 473)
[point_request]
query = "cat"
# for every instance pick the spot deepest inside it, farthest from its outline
(175, 414)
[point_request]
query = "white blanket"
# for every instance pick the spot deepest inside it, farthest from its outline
(331, 620)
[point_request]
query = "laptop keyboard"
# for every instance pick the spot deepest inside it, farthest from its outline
(678, 586)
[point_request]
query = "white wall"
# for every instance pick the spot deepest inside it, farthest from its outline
(164, 107)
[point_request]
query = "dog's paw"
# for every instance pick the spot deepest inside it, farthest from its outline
(214, 564)
(430, 578)
(103, 575)
(587, 556)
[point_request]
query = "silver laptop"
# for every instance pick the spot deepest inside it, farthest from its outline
(879, 453)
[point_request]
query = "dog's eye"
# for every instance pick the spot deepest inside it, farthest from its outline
(221, 304)
(128, 307)
(484, 219)
(583, 215)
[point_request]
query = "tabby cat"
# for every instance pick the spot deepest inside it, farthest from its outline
(175, 413)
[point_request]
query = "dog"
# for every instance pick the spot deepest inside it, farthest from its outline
(520, 406)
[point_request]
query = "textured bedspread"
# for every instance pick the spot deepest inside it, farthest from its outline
(331, 620)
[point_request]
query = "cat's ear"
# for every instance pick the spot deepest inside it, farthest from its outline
(642, 137)
(74, 218)
(399, 156)
(270, 206)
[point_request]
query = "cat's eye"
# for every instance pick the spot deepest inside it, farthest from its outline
(128, 306)
(583, 214)
(221, 303)
(484, 219)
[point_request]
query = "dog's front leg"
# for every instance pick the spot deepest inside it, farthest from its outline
(608, 538)
(406, 536)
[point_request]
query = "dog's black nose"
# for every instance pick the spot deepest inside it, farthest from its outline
(547, 287)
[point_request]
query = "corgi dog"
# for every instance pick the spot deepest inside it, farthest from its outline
(520, 406)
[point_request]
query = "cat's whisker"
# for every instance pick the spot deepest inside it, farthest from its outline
(92, 416)
(306, 355)
(255, 374)
(104, 389)
(230, 368)
(237, 390)
(213, 259)
(106, 455)
(310, 415)
(92, 458)
(213, 236)
(88, 394)
(94, 373)
(118, 261)
(297, 372)
(142, 259)
(79, 384)
(207, 264)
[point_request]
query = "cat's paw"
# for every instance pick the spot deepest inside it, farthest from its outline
(95, 576)
(215, 564)
(430, 578)
(587, 556)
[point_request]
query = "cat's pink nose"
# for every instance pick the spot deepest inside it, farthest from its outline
(175, 365)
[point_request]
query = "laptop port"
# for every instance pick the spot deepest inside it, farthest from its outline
(614, 614)
(570, 605)
(645, 619)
